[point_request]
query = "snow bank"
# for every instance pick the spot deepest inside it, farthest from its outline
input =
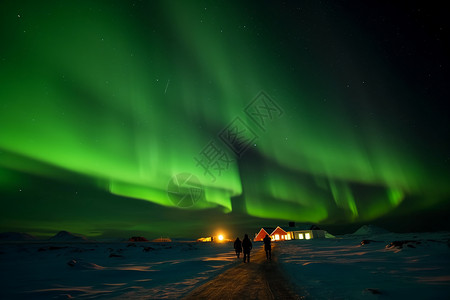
(109, 270)
(329, 235)
(370, 230)
(395, 266)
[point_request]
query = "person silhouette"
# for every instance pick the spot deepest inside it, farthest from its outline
(238, 247)
(267, 240)
(247, 247)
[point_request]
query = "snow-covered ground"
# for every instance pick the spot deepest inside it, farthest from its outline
(66, 270)
(416, 267)
(343, 268)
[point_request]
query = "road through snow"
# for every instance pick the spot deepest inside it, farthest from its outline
(259, 279)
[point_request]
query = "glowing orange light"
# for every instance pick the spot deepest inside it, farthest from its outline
(220, 237)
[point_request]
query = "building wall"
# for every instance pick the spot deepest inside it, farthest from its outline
(318, 234)
(306, 234)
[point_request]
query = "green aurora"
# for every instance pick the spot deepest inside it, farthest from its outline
(103, 102)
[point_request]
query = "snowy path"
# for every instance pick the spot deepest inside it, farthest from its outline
(257, 280)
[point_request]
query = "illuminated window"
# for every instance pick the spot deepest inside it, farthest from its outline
(282, 237)
(277, 237)
(300, 236)
(307, 236)
(288, 237)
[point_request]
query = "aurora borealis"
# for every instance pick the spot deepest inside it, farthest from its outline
(104, 102)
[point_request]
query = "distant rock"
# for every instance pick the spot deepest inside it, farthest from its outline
(137, 239)
(50, 248)
(400, 244)
(80, 264)
(115, 255)
(366, 242)
(16, 236)
(162, 240)
(374, 291)
(370, 230)
(65, 236)
(72, 262)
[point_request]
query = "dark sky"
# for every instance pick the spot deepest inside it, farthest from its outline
(180, 119)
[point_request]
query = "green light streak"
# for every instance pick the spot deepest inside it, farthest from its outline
(395, 196)
(88, 93)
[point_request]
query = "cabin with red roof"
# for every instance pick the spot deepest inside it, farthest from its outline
(279, 234)
(262, 234)
(276, 234)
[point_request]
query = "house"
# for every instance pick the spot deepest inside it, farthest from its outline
(304, 232)
(279, 234)
(205, 239)
(215, 239)
(262, 233)
(276, 234)
(291, 232)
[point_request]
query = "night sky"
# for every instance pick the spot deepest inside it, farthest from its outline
(186, 118)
